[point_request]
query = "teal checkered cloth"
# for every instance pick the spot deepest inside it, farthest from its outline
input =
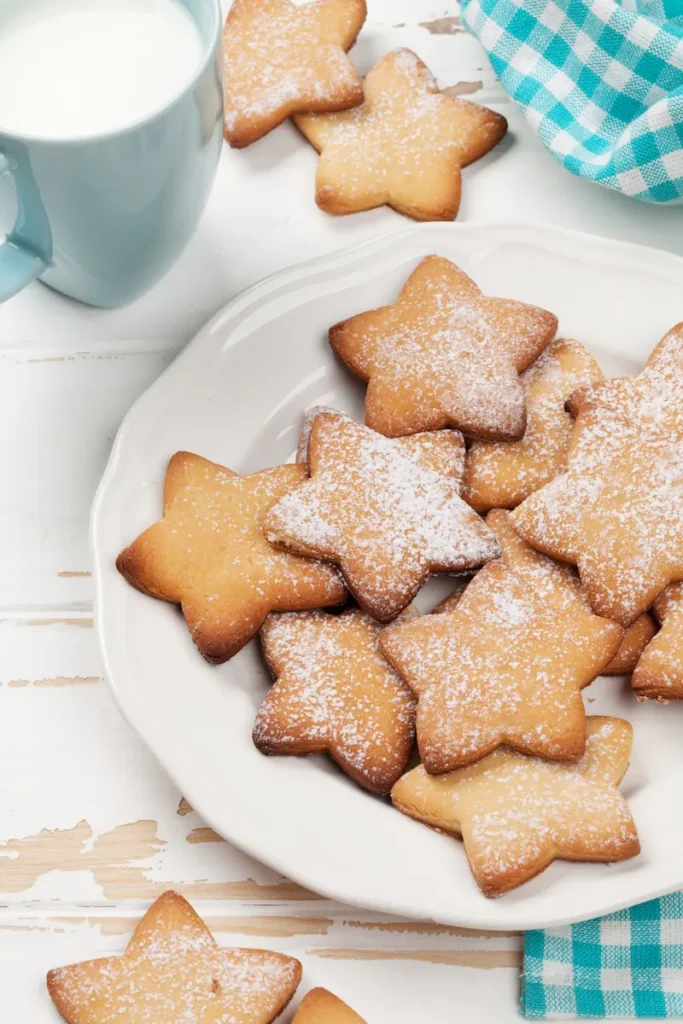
(628, 964)
(600, 82)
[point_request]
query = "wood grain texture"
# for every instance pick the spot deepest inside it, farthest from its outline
(110, 857)
(203, 835)
(271, 927)
(443, 26)
(428, 928)
(81, 623)
(116, 860)
(55, 681)
(484, 959)
(464, 88)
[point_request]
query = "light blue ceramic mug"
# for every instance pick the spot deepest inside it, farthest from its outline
(101, 219)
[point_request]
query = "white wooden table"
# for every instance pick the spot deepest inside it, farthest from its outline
(91, 829)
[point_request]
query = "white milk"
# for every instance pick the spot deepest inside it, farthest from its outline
(73, 68)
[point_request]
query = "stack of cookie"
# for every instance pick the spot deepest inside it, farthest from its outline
(393, 139)
(579, 480)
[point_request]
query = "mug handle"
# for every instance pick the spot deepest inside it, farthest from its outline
(20, 263)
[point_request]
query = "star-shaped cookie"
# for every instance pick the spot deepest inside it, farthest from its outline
(404, 147)
(617, 512)
(659, 673)
(388, 512)
(322, 1007)
(505, 666)
(501, 474)
(516, 814)
(444, 355)
(282, 56)
(335, 692)
(208, 554)
(173, 971)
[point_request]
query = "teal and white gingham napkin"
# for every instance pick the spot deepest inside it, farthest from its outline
(601, 83)
(628, 964)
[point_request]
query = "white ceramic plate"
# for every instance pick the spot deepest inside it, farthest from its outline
(236, 395)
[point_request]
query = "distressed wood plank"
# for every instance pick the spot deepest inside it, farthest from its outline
(338, 937)
(485, 959)
(392, 989)
(87, 814)
(443, 26)
(428, 928)
(203, 835)
(324, 925)
(55, 681)
(464, 88)
(77, 404)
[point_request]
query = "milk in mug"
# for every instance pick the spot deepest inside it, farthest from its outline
(77, 68)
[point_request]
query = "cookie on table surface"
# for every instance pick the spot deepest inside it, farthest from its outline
(209, 555)
(335, 693)
(174, 971)
(444, 355)
(281, 56)
(659, 673)
(501, 474)
(322, 1007)
(404, 147)
(616, 513)
(387, 512)
(504, 665)
(516, 814)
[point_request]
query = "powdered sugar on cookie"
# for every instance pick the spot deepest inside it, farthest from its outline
(404, 146)
(335, 692)
(506, 666)
(501, 475)
(173, 971)
(306, 428)
(444, 355)
(617, 513)
(209, 554)
(516, 813)
(282, 56)
(388, 512)
(659, 672)
(559, 584)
